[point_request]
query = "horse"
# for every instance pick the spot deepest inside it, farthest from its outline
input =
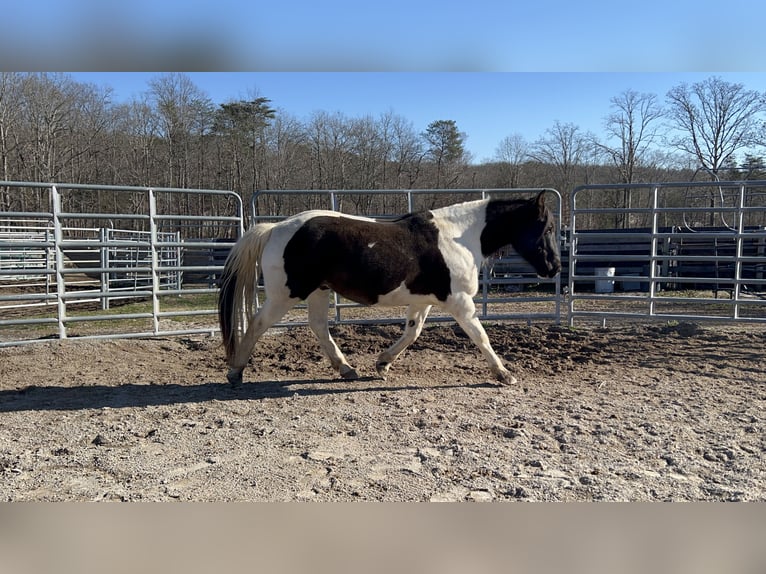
(417, 260)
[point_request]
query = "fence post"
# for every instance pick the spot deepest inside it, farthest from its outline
(58, 238)
(179, 274)
(154, 260)
(104, 262)
(739, 250)
(653, 253)
(49, 260)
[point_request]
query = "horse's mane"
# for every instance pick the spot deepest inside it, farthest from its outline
(405, 217)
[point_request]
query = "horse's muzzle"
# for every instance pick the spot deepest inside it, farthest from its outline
(551, 271)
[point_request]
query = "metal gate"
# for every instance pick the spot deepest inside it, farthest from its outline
(670, 251)
(110, 261)
(509, 287)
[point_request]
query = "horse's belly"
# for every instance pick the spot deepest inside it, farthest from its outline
(403, 296)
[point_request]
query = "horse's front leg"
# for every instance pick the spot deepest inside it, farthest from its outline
(463, 309)
(416, 316)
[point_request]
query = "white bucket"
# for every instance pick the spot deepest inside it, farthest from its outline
(605, 285)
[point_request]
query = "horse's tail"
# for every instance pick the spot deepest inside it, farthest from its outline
(237, 297)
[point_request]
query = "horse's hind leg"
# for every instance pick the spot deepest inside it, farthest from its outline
(463, 309)
(271, 312)
(416, 316)
(318, 303)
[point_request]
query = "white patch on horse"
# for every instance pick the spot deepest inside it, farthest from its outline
(460, 228)
(403, 296)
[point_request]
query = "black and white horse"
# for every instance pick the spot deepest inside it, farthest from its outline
(419, 260)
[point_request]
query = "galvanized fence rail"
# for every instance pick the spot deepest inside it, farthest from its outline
(111, 261)
(509, 287)
(673, 251)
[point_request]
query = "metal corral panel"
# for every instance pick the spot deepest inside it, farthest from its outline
(112, 261)
(683, 251)
(509, 287)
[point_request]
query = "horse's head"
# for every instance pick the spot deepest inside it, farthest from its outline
(536, 239)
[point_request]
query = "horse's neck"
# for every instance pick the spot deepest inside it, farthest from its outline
(463, 223)
(503, 221)
(463, 215)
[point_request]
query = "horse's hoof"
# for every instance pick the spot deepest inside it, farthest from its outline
(506, 378)
(234, 376)
(382, 369)
(348, 373)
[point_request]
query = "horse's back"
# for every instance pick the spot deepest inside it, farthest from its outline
(362, 258)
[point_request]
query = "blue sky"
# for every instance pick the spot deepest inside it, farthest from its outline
(406, 35)
(486, 106)
(495, 67)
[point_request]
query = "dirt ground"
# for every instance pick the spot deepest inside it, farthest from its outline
(633, 412)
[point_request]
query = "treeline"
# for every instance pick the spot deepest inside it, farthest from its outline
(54, 129)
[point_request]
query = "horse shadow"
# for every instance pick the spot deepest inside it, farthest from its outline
(42, 398)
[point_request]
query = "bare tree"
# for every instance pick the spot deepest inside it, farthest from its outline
(631, 129)
(511, 154)
(179, 105)
(55, 129)
(10, 109)
(406, 152)
(367, 149)
(329, 139)
(49, 103)
(86, 156)
(138, 130)
(386, 146)
(715, 120)
(286, 141)
(566, 148)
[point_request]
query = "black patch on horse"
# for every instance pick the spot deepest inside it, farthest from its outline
(522, 223)
(362, 260)
(504, 223)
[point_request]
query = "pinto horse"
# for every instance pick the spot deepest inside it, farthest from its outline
(421, 259)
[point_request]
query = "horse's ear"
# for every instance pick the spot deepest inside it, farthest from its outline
(540, 201)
